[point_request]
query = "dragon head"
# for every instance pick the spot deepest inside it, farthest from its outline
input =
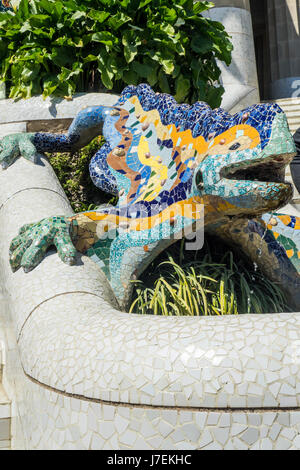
(245, 165)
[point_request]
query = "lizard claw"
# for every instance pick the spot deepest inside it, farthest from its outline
(14, 145)
(29, 247)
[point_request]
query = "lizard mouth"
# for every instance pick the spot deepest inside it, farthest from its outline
(270, 171)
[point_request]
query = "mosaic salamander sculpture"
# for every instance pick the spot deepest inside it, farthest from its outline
(166, 161)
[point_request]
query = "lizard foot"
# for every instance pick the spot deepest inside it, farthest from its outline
(14, 145)
(29, 247)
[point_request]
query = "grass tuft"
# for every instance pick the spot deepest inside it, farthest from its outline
(211, 281)
(72, 171)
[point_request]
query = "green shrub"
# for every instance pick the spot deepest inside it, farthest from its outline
(211, 281)
(72, 171)
(62, 47)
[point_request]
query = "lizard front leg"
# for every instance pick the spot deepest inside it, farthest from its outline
(85, 127)
(119, 241)
(123, 243)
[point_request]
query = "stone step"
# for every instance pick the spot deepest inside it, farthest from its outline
(287, 105)
(294, 127)
(295, 115)
(293, 121)
(288, 101)
(291, 107)
(5, 420)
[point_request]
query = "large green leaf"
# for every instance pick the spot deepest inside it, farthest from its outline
(201, 44)
(105, 37)
(118, 20)
(46, 5)
(152, 77)
(99, 16)
(49, 88)
(200, 7)
(130, 42)
(62, 56)
(39, 20)
(78, 15)
(170, 15)
(106, 78)
(143, 70)
(23, 10)
(90, 58)
(144, 3)
(130, 77)
(163, 82)
(30, 73)
(183, 86)
(168, 66)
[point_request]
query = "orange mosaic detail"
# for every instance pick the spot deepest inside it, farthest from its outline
(188, 208)
(202, 146)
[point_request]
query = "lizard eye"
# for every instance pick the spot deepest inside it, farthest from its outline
(199, 180)
(235, 146)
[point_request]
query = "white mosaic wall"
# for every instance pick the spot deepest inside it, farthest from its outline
(138, 381)
(67, 423)
(45, 419)
(55, 421)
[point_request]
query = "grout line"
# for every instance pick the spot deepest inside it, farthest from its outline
(51, 298)
(28, 189)
(160, 407)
